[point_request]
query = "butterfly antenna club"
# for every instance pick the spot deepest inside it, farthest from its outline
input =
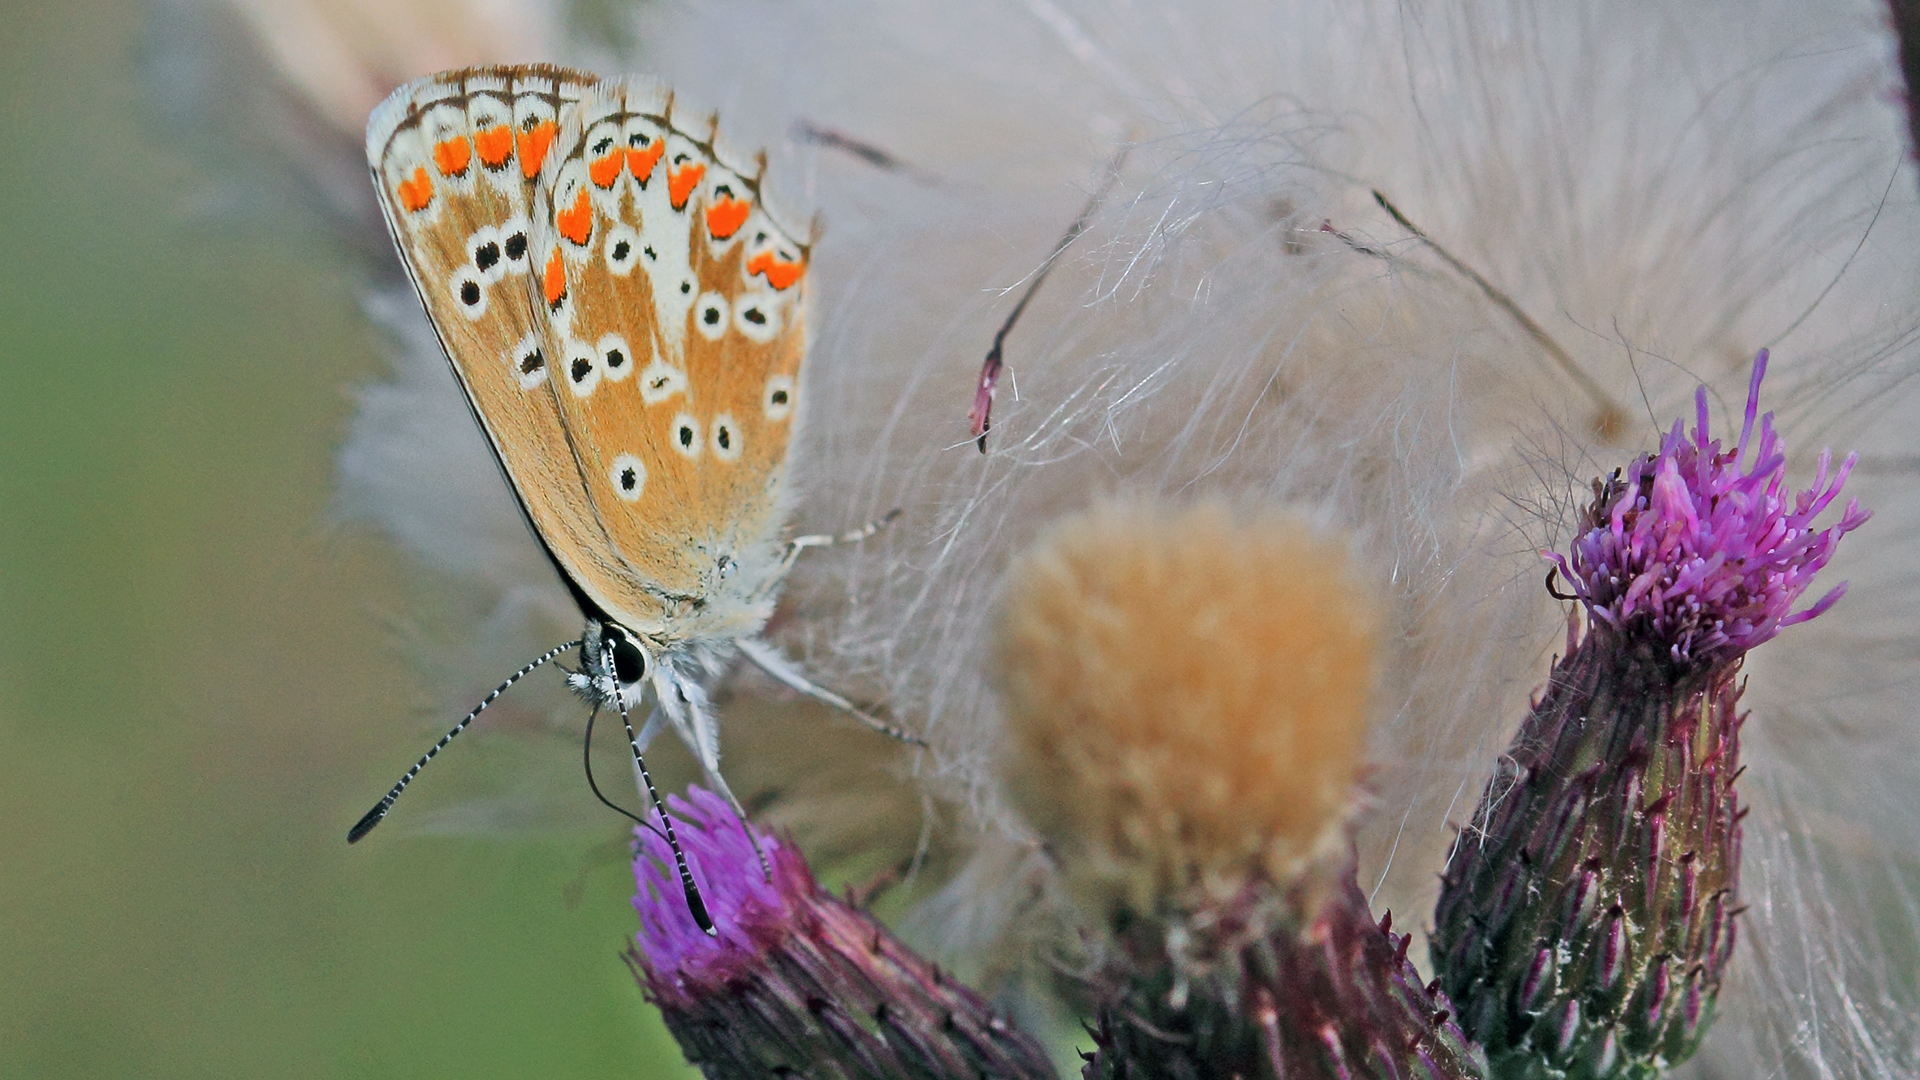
(379, 812)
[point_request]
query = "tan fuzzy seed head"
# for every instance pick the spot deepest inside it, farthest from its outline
(1187, 692)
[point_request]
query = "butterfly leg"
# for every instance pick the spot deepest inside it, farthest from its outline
(820, 540)
(684, 704)
(768, 659)
(655, 721)
(719, 783)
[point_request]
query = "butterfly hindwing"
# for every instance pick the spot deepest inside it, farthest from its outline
(671, 304)
(455, 159)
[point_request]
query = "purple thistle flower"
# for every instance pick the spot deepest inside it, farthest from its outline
(1701, 553)
(750, 911)
(797, 981)
(1587, 916)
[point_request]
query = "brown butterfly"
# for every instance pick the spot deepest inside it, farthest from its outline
(628, 320)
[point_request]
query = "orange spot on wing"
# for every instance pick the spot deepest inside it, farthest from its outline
(682, 181)
(495, 145)
(452, 156)
(725, 217)
(417, 192)
(533, 147)
(641, 162)
(606, 170)
(780, 273)
(554, 282)
(576, 224)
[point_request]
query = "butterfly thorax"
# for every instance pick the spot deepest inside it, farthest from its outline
(734, 589)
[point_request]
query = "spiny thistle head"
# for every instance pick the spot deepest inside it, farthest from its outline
(1586, 920)
(1188, 692)
(796, 981)
(1701, 553)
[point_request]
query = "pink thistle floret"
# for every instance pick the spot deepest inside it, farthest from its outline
(1702, 555)
(752, 912)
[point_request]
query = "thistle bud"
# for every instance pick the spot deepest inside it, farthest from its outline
(1588, 913)
(1335, 998)
(1188, 693)
(795, 981)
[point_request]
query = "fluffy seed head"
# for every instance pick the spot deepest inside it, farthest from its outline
(1187, 692)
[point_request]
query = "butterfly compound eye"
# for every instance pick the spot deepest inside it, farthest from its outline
(629, 662)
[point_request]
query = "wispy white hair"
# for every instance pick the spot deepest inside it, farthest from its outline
(1662, 190)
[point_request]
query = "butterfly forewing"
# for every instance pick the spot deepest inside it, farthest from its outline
(455, 159)
(670, 304)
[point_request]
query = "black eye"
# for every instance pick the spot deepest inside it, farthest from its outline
(486, 256)
(711, 315)
(532, 362)
(724, 438)
(686, 436)
(516, 247)
(629, 479)
(760, 238)
(629, 664)
(603, 145)
(621, 250)
(686, 287)
(640, 139)
(779, 397)
(582, 367)
(755, 316)
(469, 293)
(723, 191)
(615, 358)
(648, 252)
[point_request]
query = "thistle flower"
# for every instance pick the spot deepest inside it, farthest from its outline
(1334, 998)
(1188, 695)
(1697, 553)
(1589, 913)
(796, 981)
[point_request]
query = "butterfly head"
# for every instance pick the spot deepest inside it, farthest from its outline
(613, 659)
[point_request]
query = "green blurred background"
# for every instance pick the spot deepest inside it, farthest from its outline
(199, 685)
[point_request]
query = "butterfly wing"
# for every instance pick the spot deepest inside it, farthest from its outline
(672, 306)
(456, 158)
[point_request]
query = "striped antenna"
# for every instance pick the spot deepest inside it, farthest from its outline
(379, 812)
(695, 905)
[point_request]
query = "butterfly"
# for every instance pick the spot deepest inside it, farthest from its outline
(627, 318)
